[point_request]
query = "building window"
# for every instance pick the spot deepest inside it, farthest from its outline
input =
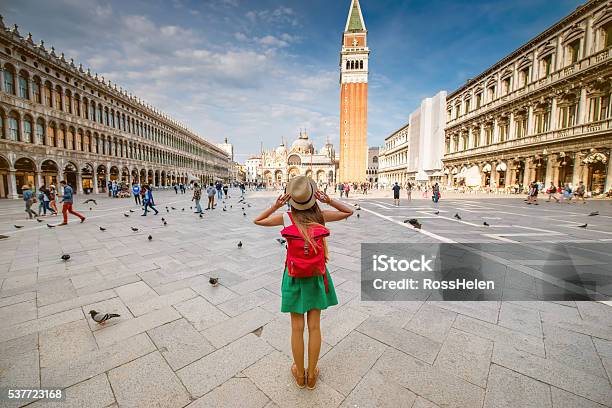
(13, 123)
(23, 87)
(48, 95)
(542, 120)
(106, 121)
(68, 102)
(476, 137)
(27, 130)
(448, 115)
(568, 114)
(547, 65)
(9, 84)
(77, 106)
(524, 77)
(58, 98)
(607, 30)
(467, 105)
(573, 50)
(478, 100)
(488, 135)
(92, 111)
(599, 108)
(521, 126)
(457, 111)
(503, 130)
(36, 91)
(40, 133)
(99, 114)
(491, 93)
(506, 85)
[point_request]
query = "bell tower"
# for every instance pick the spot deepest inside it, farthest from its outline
(354, 98)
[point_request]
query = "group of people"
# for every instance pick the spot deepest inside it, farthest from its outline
(566, 192)
(345, 188)
(46, 197)
(435, 192)
(179, 187)
(217, 189)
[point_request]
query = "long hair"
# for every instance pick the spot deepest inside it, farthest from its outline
(304, 219)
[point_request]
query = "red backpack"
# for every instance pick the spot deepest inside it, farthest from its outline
(303, 261)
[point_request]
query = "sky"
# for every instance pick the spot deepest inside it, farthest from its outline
(258, 71)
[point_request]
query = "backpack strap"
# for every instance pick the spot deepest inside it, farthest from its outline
(287, 219)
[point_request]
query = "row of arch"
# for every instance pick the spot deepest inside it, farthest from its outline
(22, 84)
(354, 64)
(40, 131)
(85, 177)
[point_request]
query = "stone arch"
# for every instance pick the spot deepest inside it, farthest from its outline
(5, 167)
(293, 171)
(25, 169)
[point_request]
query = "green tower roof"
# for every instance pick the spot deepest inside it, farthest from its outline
(355, 19)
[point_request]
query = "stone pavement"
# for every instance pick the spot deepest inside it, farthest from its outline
(180, 342)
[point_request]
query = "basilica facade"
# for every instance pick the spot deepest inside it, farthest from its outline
(60, 121)
(277, 166)
(542, 113)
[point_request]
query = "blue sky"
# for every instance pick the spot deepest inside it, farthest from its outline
(259, 70)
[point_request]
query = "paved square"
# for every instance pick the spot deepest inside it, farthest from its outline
(180, 341)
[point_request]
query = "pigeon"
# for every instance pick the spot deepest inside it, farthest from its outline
(437, 212)
(126, 215)
(457, 216)
(163, 219)
(224, 209)
(18, 226)
(102, 318)
(39, 220)
(281, 240)
(594, 213)
(149, 237)
(191, 207)
(167, 210)
(183, 209)
(357, 215)
(134, 229)
(50, 226)
(91, 200)
(486, 224)
(414, 222)
(231, 206)
(65, 257)
(102, 229)
(583, 226)
(249, 205)
(166, 207)
(131, 211)
(244, 214)
(213, 281)
(165, 223)
(239, 244)
(201, 215)
(173, 208)
(90, 208)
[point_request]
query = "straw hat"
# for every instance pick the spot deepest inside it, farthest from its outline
(302, 190)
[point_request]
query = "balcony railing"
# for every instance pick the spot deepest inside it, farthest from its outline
(540, 138)
(559, 75)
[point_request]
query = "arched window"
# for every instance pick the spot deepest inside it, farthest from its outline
(112, 118)
(352, 64)
(9, 81)
(123, 121)
(361, 64)
(13, 123)
(92, 111)
(40, 132)
(77, 105)
(51, 139)
(23, 85)
(348, 65)
(58, 98)
(2, 135)
(106, 120)
(36, 90)
(48, 94)
(27, 130)
(99, 114)
(68, 102)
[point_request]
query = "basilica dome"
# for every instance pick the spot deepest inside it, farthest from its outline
(281, 150)
(302, 145)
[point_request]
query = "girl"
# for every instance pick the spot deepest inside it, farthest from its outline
(311, 294)
(52, 198)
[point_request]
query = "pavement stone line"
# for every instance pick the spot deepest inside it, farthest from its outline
(181, 343)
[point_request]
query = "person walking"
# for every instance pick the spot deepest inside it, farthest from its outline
(396, 194)
(435, 197)
(307, 287)
(109, 187)
(197, 195)
(148, 200)
(42, 208)
(136, 193)
(580, 192)
(67, 201)
(409, 191)
(47, 201)
(341, 189)
(210, 193)
(28, 199)
(552, 192)
(567, 193)
(175, 188)
(347, 189)
(225, 191)
(53, 198)
(219, 187)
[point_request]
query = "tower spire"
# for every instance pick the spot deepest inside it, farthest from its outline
(355, 21)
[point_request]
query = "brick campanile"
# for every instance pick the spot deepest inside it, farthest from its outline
(354, 98)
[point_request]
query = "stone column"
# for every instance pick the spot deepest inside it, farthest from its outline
(530, 121)
(527, 175)
(578, 168)
(38, 180)
(495, 131)
(481, 141)
(583, 111)
(96, 190)
(511, 127)
(79, 177)
(493, 181)
(549, 169)
(12, 185)
(553, 114)
(609, 173)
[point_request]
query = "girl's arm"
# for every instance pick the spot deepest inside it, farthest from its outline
(342, 210)
(267, 218)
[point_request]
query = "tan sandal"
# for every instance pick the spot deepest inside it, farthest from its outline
(300, 380)
(312, 382)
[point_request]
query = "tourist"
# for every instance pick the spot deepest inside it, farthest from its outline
(175, 186)
(109, 187)
(532, 194)
(197, 195)
(242, 188)
(210, 193)
(435, 194)
(567, 193)
(115, 188)
(53, 198)
(67, 201)
(341, 189)
(580, 192)
(396, 193)
(304, 288)
(136, 192)
(347, 189)
(552, 192)
(28, 198)
(225, 190)
(219, 187)
(409, 191)
(148, 200)
(42, 208)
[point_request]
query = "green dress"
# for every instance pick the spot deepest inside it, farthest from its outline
(300, 295)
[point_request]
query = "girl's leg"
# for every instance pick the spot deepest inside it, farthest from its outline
(297, 341)
(314, 343)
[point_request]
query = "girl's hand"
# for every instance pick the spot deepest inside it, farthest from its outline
(281, 200)
(322, 197)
